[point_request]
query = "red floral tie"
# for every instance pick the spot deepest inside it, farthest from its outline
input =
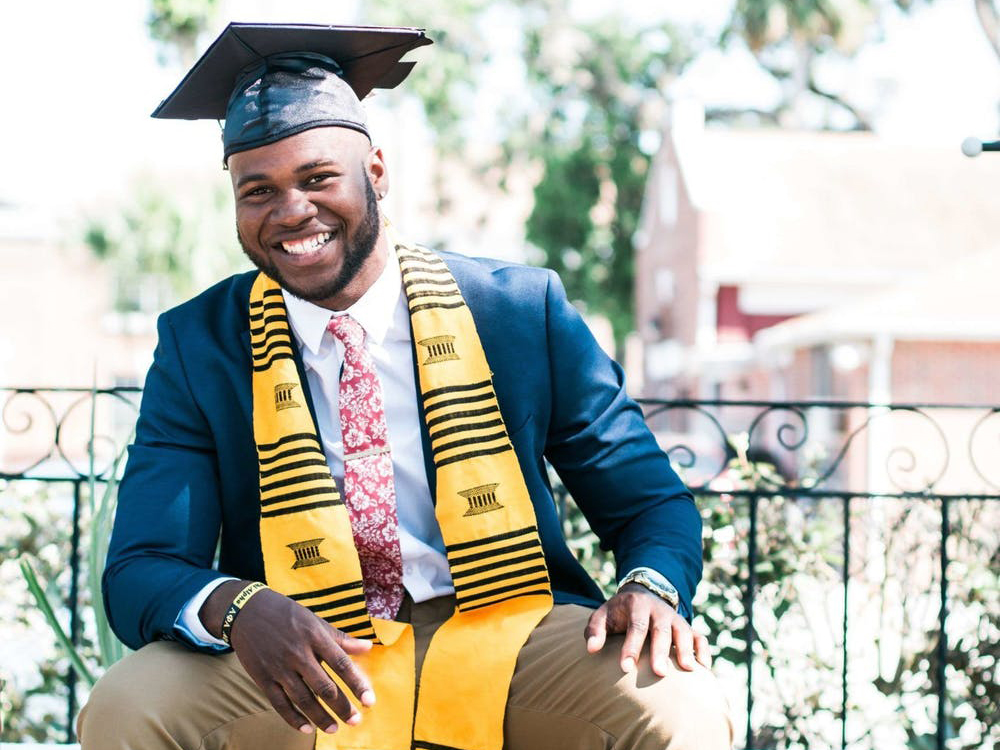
(368, 485)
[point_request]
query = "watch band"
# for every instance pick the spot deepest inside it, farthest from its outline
(662, 588)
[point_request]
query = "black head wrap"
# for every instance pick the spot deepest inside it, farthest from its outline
(284, 94)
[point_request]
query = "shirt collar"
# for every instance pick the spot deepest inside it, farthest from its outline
(374, 310)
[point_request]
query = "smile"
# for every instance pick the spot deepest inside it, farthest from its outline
(306, 245)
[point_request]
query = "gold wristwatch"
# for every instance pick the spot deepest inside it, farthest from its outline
(656, 584)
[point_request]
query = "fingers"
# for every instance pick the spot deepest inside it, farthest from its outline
(299, 699)
(635, 635)
(353, 646)
(683, 644)
(283, 647)
(639, 615)
(319, 686)
(701, 650)
(276, 695)
(303, 698)
(661, 639)
(335, 652)
(597, 629)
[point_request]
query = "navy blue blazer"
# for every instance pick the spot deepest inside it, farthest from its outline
(188, 504)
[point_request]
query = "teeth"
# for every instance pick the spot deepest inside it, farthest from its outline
(308, 245)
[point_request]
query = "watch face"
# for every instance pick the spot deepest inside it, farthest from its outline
(660, 587)
(666, 591)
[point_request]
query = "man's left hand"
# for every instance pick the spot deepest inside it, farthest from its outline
(638, 613)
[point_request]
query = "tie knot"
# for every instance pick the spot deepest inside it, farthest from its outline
(347, 330)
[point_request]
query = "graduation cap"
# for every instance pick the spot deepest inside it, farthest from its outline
(270, 81)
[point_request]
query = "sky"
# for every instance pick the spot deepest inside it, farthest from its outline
(76, 124)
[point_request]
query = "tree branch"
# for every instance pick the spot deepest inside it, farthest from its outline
(729, 114)
(989, 20)
(863, 123)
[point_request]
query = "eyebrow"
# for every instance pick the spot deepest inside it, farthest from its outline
(250, 178)
(298, 170)
(314, 164)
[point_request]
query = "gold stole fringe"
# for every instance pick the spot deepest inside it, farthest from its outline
(482, 506)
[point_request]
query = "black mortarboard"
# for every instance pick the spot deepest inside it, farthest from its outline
(270, 81)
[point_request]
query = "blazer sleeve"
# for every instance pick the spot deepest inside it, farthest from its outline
(168, 518)
(600, 446)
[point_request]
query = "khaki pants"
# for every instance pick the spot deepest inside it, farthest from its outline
(165, 697)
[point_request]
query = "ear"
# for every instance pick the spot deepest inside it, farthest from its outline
(377, 172)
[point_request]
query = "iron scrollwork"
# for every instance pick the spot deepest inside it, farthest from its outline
(832, 448)
(63, 433)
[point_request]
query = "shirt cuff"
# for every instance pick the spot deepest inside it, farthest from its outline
(188, 626)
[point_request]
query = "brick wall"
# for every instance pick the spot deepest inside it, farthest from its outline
(946, 372)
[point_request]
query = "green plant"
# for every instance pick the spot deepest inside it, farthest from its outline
(109, 648)
(798, 610)
(32, 666)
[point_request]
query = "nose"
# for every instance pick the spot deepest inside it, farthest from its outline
(294, 208)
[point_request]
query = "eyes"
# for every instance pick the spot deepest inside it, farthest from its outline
(320, 179)
(262, 191)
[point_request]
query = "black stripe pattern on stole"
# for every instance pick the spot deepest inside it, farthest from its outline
(270, 336)
(463, 422)
(294, 475)
(427, 281)
(421, 745)
(497, 568)
(342, 606)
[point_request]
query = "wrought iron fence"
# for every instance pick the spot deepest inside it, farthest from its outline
(66, 438)
(803, 501)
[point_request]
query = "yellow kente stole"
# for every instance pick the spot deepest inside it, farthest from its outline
(482, 506)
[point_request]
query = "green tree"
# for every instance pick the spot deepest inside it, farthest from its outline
(591, 91)
(602, 89)
(792, 39)
(179, 24)
(165, 244)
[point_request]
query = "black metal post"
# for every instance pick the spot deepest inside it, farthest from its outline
(74, 607)
(942, 645)
(748, 606)
(843, 632)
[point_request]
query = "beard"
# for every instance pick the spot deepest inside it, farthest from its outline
(357, 249)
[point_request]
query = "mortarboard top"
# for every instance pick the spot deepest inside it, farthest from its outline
(368, 56)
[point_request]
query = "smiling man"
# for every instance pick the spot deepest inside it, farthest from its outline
(331, 261)
(336, 515)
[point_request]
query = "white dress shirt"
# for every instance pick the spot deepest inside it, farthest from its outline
(383, 314)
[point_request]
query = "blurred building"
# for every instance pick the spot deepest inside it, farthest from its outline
(57, 325)
(792, 265)
(58, 329)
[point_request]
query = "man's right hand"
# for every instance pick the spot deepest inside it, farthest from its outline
(282, 646)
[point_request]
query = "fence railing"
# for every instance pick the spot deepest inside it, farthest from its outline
(65, 438)
(829, 525)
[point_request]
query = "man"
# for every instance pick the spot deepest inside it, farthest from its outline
(362, 425)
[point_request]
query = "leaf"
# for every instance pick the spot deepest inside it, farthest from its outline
(732, 655)
(782, 607)
(110, 648)
(43, 604)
